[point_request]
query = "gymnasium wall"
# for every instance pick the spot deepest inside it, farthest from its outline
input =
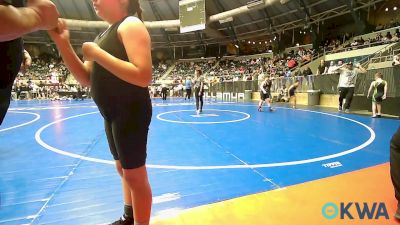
(327, 84)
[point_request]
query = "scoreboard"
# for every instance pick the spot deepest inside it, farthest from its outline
(192, 15)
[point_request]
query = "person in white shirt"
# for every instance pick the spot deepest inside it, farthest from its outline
(347, 83)
(180, 89)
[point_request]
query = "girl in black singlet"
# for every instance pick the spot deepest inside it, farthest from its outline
(199, 91)
(379, 88)
(118, 68)
(292, 93)
(265, 94)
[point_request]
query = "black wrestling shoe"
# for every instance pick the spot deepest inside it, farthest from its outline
(123, 221)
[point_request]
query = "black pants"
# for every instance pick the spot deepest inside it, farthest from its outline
(199, 100)
(395, 163)
(79, 95)
(5, 97)
(164, 93)
(188, 93)
(10, 63)
(346, 93)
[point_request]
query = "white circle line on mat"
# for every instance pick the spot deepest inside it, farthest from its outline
(159, 116)
(211, 167)
(37, 117)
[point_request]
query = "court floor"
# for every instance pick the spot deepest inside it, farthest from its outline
(55, 166)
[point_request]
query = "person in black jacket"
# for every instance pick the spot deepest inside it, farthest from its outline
(164, 91)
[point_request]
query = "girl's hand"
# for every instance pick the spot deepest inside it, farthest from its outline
(60, 34)
(89, 50)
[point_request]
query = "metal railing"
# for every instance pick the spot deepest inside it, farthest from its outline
(381, 59)
(280, 83)
(357, 47)
(366, 60)
(327, 84)
(395, 50)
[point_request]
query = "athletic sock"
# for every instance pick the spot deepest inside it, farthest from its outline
(128, 212)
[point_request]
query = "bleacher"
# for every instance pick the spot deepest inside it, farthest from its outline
(373, 35)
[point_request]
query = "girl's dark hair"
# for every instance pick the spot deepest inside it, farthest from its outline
(134, 8)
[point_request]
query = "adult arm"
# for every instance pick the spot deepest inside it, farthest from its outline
(16, 22)
(80, 70)
(339, 69)
(361, 69)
